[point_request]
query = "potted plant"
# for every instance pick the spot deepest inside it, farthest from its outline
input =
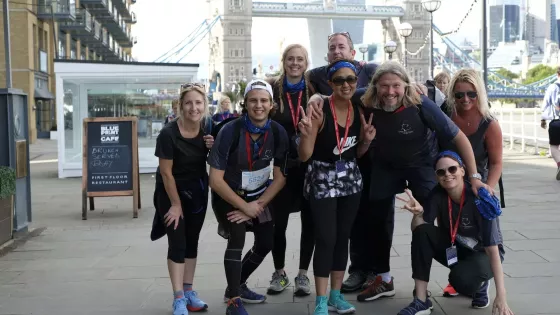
(7, 191)
(54, 132)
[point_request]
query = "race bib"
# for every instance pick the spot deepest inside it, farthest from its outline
(253, 180)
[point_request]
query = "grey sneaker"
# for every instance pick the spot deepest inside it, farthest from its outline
(302, 286)
(278, 283)
(369, 280)
(354, 282)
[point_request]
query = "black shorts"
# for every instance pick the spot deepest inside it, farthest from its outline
(554, 132)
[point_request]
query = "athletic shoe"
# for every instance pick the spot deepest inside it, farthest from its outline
(558, 173)
(369, 279)
(377, 289)
(235, 307)
(338, 304)
(194, 304)
(417, 307)
(246, 295)
(180, 306)
(354, 282)
(321, 307)
(480, 298)
(302, 286)
(278, 283)
(449, 291)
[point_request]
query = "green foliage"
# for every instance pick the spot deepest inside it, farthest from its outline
(538, 73)
(7, 182)
(475, 55)
(508, 74)
(233, 96)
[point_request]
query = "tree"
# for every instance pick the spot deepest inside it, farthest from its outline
(507, 74)
(538, 73)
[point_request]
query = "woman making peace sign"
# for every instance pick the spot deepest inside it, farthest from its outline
(331, 139)
(467, 240)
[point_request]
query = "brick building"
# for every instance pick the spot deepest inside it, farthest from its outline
(44, 30)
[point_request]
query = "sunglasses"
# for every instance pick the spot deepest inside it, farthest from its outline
(338, 81)
(189, 85)
(443, 171)
(345, 34)
(460, 95)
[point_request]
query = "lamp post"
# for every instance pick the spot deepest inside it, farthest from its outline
(405, 30)
(363, 50)
(390, 48)
(431, 6)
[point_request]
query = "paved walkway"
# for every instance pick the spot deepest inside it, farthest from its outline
(107, 264)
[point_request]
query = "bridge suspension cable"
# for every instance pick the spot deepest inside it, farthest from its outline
(158, 59)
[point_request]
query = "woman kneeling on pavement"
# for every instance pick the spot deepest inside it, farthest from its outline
(240, 168)
(181, 193)
(332, 137)
(467, 239)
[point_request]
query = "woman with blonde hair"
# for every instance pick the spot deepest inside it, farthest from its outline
(291, 92)
(404, 153)
(468, 107)
(224, 110)
(181, 193)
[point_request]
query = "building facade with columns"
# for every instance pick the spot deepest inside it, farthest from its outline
(44, 30)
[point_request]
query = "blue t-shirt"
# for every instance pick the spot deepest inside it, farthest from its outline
(235, 161)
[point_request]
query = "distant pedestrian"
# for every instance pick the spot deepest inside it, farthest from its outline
(224, 110)
(173, 115)
(551, 111)
(181, 193)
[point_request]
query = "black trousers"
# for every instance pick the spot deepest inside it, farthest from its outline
(333, 218)
(183, 241)
(466, 276)
(290, 199)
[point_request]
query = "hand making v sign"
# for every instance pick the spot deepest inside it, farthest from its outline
(368, 130)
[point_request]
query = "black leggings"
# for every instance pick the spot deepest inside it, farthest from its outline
(333, 219)
(430, 242)
(183, 241)
(307, 240)
(237, 270)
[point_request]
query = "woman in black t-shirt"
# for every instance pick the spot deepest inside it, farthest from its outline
(332, 138)
(240, 169)
(291, 92)
(464, 241)
(181, 193)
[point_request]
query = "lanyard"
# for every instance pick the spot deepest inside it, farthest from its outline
(248, 148)
(295, 114)
(347, 127)
(453, 229)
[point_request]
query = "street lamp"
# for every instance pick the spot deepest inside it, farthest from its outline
(405, 30)
(431, 6)
(363, 50)
(390, 48)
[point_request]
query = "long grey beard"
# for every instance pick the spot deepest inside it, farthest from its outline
(390, 109)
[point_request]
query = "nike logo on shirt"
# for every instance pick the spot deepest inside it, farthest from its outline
(350, 142)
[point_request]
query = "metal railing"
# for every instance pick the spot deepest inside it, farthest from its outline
(523, 126)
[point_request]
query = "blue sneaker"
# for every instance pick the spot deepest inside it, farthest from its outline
(235, 307)
(418, 307)
(194, 304)
(246, 295)
(321, 306)
(480, 298)
(249, 296)
(180, 306)
(338, 304)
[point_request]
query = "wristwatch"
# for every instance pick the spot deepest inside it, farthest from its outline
(476, 176)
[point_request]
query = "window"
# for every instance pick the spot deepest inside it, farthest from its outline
(35, 49)
(231, 68)
(242, 68)
(230, 31)
(236, 52)
(236, 31)
(241, 52)
(242, 31)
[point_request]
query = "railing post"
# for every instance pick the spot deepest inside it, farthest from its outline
(522, 130)
(511, 129)
(535, 129)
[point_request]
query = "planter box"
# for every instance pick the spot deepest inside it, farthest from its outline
(54, 135)
(6, 219)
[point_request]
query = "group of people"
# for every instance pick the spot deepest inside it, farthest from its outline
(337, 143)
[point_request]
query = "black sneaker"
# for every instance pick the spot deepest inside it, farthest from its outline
(417, 307)
(354, 282)
(480, 298)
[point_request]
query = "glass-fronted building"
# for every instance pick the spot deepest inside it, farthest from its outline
(103, 89)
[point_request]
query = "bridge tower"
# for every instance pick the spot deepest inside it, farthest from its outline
(230, 44)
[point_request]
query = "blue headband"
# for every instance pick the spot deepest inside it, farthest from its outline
(339, 65)
(452, 155)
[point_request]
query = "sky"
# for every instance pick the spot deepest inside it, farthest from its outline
(164, 23)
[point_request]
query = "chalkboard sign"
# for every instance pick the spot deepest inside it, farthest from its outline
(110, 160)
